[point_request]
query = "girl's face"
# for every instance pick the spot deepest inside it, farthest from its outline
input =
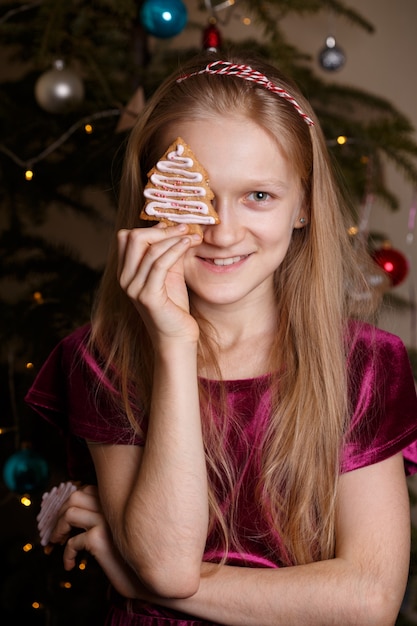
(259, 201)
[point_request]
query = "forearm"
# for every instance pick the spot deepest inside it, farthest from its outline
(166, 517)
(327, 593)
(364, 585)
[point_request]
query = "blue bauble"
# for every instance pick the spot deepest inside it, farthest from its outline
(163, 18)
(25, 471)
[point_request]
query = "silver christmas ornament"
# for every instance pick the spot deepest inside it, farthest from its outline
(331, 57)
(59, 90)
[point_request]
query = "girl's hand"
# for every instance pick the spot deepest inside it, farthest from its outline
(151, 272)
(83, 511)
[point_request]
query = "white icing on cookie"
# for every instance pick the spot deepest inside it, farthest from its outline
(173, 192)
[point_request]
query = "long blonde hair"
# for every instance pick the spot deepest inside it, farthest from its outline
(319, 286)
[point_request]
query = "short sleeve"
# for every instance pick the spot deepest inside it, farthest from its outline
(64, 393)
(383, 400)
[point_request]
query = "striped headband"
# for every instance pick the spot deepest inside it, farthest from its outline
(247, 73)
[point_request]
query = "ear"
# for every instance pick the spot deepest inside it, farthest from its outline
(302, 219)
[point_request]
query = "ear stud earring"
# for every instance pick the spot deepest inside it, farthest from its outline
(302, 220)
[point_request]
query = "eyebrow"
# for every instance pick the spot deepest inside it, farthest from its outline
(256, 183)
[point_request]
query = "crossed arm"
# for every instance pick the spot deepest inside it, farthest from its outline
(150, 535)
(364, 584)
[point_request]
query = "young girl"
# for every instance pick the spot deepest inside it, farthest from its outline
(248, 427)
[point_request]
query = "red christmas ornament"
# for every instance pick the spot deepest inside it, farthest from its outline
(212, 39)
(393, 262)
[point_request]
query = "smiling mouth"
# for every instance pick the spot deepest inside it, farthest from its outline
(229, 261)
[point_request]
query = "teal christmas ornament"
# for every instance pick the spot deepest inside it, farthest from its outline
(25, 471)
(163, 18)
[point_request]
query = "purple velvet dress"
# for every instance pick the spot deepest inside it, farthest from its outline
(384, 422)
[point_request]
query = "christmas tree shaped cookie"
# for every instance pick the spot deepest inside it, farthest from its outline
(177, 190)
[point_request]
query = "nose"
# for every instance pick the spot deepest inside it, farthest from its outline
(230, 230)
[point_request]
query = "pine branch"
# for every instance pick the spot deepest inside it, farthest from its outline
(106, 45)
(268, 14)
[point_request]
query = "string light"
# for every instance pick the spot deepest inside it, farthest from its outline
(25, 500)
(36, 605)
(340, 140)
(7, 429)
(13, 12)
(37, 296)
(89, 128)
(65, 584)
(28, 164)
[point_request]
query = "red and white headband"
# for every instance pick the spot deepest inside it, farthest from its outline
(247, 73)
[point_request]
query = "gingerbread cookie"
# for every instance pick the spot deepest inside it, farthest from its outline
(50, 505)
(177, 190)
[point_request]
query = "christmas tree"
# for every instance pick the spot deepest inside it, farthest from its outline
(75, 76)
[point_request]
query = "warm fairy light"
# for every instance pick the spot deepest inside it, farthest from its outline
(65, 584)
(82, 565)
(247, 21)
(29, 366)
(88, 129)
(27, 547)
(37, 296)
(6, 429)
(29, 174)
(353, 230)
(341, 140)
(36, 605)
(25, 500)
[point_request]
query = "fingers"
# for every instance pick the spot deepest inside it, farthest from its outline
(141, 239)
(96, 540)
(91, 490)
(81, 510)
(148, 253)
(151, 273)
